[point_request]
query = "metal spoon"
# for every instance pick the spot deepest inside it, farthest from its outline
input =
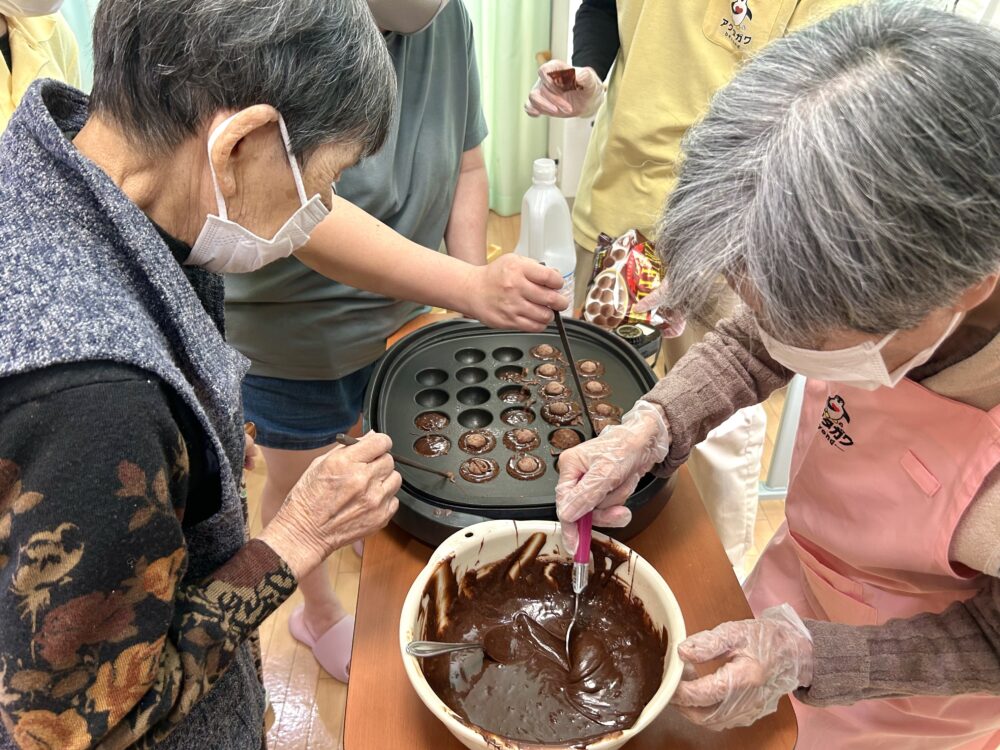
(425, 649)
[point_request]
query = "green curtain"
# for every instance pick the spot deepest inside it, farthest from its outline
(79, 14)
(508, 34)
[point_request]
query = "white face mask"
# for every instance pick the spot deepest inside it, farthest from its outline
(224, 246)
(25, 8)
(859, 366)
(405, 16)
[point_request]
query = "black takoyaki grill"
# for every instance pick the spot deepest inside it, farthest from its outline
(458, 368)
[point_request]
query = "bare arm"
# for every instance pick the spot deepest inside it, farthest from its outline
(357, 249)
(465, 236)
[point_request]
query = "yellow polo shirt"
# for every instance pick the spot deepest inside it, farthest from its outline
(673, 57)
(41, 47)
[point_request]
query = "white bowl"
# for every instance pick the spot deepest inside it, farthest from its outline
(487, 542)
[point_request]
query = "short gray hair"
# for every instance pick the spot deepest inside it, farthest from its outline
(165, 67)
(849, 175)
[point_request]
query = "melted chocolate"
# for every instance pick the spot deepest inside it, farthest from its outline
(525, 466)
(475, 442)
(589, 368)
(601, 422)
(514, 395)
(596, 389)
(517, 417)
(512, 374)
(554, 390)
(549, 371)
(479, 470)
(545, 351)
(432, 446)
(562, 413)
(564, 439)
(521, 440)
(604, 409)
(430, 421)
(529, 689)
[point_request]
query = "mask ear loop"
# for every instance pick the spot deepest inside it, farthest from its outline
(219, 199)
(296, 174)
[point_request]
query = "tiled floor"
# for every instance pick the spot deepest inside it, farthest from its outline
(309, 704)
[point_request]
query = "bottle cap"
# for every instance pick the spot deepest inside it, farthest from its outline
(544, 172)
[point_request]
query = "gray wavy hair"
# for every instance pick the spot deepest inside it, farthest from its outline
(164, 67)
(848, 177)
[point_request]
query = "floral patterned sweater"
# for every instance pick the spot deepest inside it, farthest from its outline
(102, 641)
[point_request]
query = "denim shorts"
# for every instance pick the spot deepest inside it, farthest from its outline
(300, 415)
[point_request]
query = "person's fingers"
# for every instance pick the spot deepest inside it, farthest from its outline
(536, 273)
(613, 518)
(382, 467)
(369, 447)
(530, 110)
(535, 312)
(571, 537)
(711, 644)
(540, 102)
(701, 716)
(392, 484)
(543, 296)
(706, 691)
(619, 494)
(653, 300)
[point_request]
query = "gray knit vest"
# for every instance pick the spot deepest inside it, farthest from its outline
(84, 276)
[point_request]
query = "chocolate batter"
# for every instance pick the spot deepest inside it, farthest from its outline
(596, 389)
(564, 438)
(430, 421)
(529, 690)
(479, 470)
(525, 466)
(561, 413)
(554, 390)
(432, 446)
(549, 371)
(521, 440)
(517, 417)
(514, 395)
(513, 374)
(589, 368)
(545, 351)
(475, 442)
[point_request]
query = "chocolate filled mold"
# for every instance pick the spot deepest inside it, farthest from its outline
(476, 442)
(525, 466)
(596, 389)
(549, 371)
(511, 373)
(562, 413)
(431, 421)
(478, 470)
(471, 375)
(604, 409)
(545, 351)
(432, 446)
(554, 391)
(590, 368)
(601, 422)
(514, 394)
(517, 416)
(565, 438)
(521, 439)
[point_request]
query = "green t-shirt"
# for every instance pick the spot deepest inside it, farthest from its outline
(294, 323)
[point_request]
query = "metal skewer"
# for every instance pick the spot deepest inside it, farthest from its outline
(348, 440)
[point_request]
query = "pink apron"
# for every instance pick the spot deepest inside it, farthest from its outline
(879, 482)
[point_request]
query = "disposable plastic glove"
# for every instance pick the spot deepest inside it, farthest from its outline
(547, 98)
(600, 474)
(767, 658)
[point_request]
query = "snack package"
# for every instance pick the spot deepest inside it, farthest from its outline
(565, 79)
(626, 271)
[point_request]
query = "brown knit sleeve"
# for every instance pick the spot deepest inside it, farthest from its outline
(727, 371)
(951, 653)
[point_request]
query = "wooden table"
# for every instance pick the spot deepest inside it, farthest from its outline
(384, 712)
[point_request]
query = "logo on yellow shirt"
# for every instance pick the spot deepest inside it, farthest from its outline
(741, 12)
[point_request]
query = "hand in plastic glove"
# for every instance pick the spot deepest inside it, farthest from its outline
(514, 292)
(600, 474)
(547, 98)
(767, 657)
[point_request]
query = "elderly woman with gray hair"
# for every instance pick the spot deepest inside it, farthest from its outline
(846, 185)
(129, 592)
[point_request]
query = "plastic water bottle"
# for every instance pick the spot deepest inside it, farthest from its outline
(546, 227)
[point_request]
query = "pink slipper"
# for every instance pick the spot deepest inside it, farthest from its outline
(359, 547)
(332, 649)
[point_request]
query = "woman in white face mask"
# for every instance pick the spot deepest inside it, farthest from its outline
(847, 186)
(35, 42)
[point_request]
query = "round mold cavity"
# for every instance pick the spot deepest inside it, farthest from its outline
(432, 397)
(566, 429)
(473, 396)
(511, 373)
(470, 356)
(507, 354)
(431, 376)
(513, 394)
(475, 419)
(471, 375)
(517, 416)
